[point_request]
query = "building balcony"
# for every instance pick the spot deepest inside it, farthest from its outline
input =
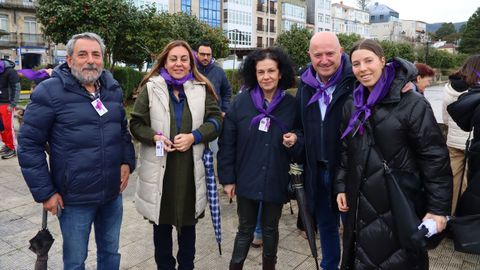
(18, 4)
(8, 41)
(35, 40)
(263, 8)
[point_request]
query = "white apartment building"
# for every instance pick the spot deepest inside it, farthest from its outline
(293, 13)
(414, 31)
(238, 22)
(350, 20)
(323, 20)
(385, 23)
(160, 5)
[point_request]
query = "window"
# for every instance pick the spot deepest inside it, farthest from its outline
(320, 17)
(327, 18)
(186, 6)
(381, 17)
(210, 12)
(4, 26)
(259, 42)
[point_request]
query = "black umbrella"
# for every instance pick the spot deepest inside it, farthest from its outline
(296, 176)
(41, 243)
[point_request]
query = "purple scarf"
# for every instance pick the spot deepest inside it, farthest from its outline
(32, 74)
(308, 77)
(258, 101)
(478, 76)
(2, 66)
(171, 81)
(379, 91)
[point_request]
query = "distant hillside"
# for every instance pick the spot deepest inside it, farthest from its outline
(433, 27)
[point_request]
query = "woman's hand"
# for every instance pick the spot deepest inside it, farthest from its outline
(289, 139)
(230, 190)
(441, 221)
(167, 144)
(342, 202)
(182, 142)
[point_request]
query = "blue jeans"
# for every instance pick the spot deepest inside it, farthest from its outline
(327, 222)
(76, 223)
(258, 227)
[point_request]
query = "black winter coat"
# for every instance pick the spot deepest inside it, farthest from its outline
(256, 161)
(407, 133)
(321, 139)
(466, 113)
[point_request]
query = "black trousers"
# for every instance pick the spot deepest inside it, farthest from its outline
(247, 211)
(162, 239)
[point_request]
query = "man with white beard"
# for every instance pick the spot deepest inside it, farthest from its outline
(79, 114)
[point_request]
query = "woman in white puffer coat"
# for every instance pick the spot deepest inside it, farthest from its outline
(456, 137)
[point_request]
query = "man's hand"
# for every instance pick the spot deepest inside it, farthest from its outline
(342, 202)
(441, 221)
(124, 174)
(230, 190)
(289, 139)
(182, 142)
(51, 204)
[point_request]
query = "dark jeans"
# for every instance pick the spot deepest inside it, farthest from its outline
(327, 223)
(247, 211)
(162, 239)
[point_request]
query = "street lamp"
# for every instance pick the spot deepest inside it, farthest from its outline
(235, 31)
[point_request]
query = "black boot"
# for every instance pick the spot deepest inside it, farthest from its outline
(235, 266)
(269, 263)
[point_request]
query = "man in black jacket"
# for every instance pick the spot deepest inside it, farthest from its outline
(324, 88)
(9, 93)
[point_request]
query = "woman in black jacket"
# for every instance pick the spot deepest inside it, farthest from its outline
(253, 157)
(466, 113)
(386, 112)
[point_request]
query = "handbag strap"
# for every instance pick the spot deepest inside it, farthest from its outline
(465, 159)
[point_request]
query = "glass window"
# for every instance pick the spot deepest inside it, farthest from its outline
(211, 12)
(4, 22)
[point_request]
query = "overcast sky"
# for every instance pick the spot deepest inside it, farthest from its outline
(429, 11)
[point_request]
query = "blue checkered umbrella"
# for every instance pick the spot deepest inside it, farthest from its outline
(212, 196)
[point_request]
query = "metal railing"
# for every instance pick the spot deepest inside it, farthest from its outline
(21, 4)
(31, 39)
(8, 41)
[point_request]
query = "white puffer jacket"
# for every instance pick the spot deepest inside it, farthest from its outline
(151, 169)
(456, 137)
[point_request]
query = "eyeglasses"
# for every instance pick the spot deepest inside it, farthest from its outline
(205, 54)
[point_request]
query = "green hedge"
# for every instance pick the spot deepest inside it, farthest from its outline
(234, 81)
(129, 80)
(25, 84)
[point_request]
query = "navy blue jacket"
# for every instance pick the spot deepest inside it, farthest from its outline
(321, 138)
(86, 150)
(216, 75)
(256, 161)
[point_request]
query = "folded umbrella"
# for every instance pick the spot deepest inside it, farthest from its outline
(296, 176)
(41, 243)
(212, 196)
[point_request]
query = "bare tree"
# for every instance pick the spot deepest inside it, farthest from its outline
(362, 4)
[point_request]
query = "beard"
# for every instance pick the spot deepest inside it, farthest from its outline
(87, 74)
